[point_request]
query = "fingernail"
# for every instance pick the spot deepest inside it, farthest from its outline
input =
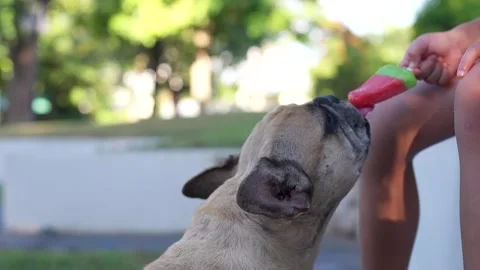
(460, 73)
(410, 67)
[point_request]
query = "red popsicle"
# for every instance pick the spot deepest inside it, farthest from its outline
(388, 81)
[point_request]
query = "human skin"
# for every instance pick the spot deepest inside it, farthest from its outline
(445, 104)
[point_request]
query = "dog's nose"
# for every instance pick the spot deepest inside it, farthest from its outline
(326, 100)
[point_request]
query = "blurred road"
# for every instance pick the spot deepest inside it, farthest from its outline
(335, 254)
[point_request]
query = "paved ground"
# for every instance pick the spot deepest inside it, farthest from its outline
(335, 254)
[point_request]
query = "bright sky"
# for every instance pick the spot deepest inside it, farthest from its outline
(372, 16)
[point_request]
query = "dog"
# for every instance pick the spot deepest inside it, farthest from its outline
(267, 207)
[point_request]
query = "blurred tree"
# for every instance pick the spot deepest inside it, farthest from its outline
(442, 15)
(348, 62)
(88, 44)
(232, 24)
(21, 23)
(201, 28)
(392, 44)
(81, 62)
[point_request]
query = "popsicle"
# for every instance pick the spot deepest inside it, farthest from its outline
(388, 81)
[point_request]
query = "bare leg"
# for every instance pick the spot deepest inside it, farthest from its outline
(389, 210)
(467, 128)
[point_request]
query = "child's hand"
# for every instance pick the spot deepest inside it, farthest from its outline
(469, 58)
(434, 57)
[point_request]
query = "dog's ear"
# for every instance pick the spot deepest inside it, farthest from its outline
(279, 189)
(206, 182)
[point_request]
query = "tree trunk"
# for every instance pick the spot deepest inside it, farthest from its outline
(29, 18)
(20, 89)
(155, 54)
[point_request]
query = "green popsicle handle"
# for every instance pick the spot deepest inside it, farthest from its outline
(406, 75)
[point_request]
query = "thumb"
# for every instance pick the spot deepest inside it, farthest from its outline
(471, 55)
(414, 54)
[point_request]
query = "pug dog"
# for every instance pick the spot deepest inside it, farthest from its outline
(267, 208)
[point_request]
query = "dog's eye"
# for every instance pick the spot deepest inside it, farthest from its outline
(281, 196)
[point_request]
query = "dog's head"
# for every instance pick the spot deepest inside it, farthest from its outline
(298, 158)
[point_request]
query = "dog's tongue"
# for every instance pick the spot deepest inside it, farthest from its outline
(364, 111)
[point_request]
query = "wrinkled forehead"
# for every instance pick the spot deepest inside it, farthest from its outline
(293, 120)
(286, 132)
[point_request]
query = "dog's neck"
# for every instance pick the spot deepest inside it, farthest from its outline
(298, 238)
(301, 233)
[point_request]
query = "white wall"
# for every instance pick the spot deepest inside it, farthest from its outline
(438, 243)
(51, 146)
(127, 192)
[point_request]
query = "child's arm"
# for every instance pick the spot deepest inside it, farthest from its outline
(470, 30)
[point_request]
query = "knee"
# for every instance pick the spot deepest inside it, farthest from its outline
(390, 140)
(467, 102)
(396, 123)
(468, 86)
(395, 144)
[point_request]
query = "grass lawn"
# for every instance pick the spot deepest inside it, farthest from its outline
(50, 260)
(215, 130)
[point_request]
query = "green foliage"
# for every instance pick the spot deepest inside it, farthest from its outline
(442, 15)
(7, 28)
(147, 20)
(75, 52)
(234, 25)
(78, 54)
(391, 45)
(89, 44)
(349, 61)
(237, 25)
(7, 34)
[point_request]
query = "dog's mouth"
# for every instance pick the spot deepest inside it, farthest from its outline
(349, 120)
(365, 111)
(343, 111)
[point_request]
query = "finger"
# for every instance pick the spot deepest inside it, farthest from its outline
(451, 69)
(416, 72)
(446, 75)
(434, 77)
(413, 55)
(426, 67)
(471, 55)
